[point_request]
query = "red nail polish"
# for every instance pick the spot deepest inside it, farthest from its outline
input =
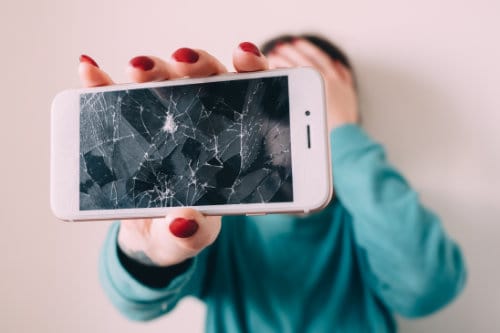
(142, 62)
(183, 228)
(186, 55)
(250, 47)
(88, 60)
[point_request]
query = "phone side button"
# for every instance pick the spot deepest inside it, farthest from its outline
(255, 214)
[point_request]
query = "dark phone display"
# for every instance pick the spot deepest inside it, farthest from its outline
(199, 144)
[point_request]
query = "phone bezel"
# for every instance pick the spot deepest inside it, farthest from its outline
(311, 167)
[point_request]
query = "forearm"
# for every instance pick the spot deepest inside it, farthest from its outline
(408, 258)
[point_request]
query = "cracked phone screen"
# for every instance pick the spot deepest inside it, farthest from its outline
(192, 145)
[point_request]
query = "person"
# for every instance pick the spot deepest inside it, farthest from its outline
(375, 251)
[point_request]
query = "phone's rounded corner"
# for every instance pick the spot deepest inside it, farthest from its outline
(63, 110)
(60, 216)
(323, 202)
(58, 210)
(60, 96)
(314, 73)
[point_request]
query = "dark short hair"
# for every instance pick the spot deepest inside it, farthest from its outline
(324, 44)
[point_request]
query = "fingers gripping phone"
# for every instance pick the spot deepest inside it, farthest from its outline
(251, 143)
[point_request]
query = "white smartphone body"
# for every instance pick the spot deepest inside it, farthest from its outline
(252, 143)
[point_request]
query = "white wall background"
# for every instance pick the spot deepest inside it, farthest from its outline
(430, 82)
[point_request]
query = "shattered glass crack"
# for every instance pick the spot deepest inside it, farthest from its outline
(199, 144)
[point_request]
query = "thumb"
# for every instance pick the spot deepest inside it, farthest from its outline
(187, 230)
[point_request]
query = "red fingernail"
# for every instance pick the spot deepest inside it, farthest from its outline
(183, 228)
(250, 47)
(88, 60)
(142, 62)
(186, 55)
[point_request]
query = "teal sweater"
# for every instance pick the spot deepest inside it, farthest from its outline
(373, 252)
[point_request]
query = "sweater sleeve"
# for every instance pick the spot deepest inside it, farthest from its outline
(405, 254)
(139, 301)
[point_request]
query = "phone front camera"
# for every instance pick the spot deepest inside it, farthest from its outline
(308, 113)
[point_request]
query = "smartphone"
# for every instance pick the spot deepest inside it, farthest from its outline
(252, 143)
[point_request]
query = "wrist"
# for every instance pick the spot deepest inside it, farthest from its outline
(152, 276)
(139, 256)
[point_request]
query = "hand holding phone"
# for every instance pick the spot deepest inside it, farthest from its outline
(251, 143)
